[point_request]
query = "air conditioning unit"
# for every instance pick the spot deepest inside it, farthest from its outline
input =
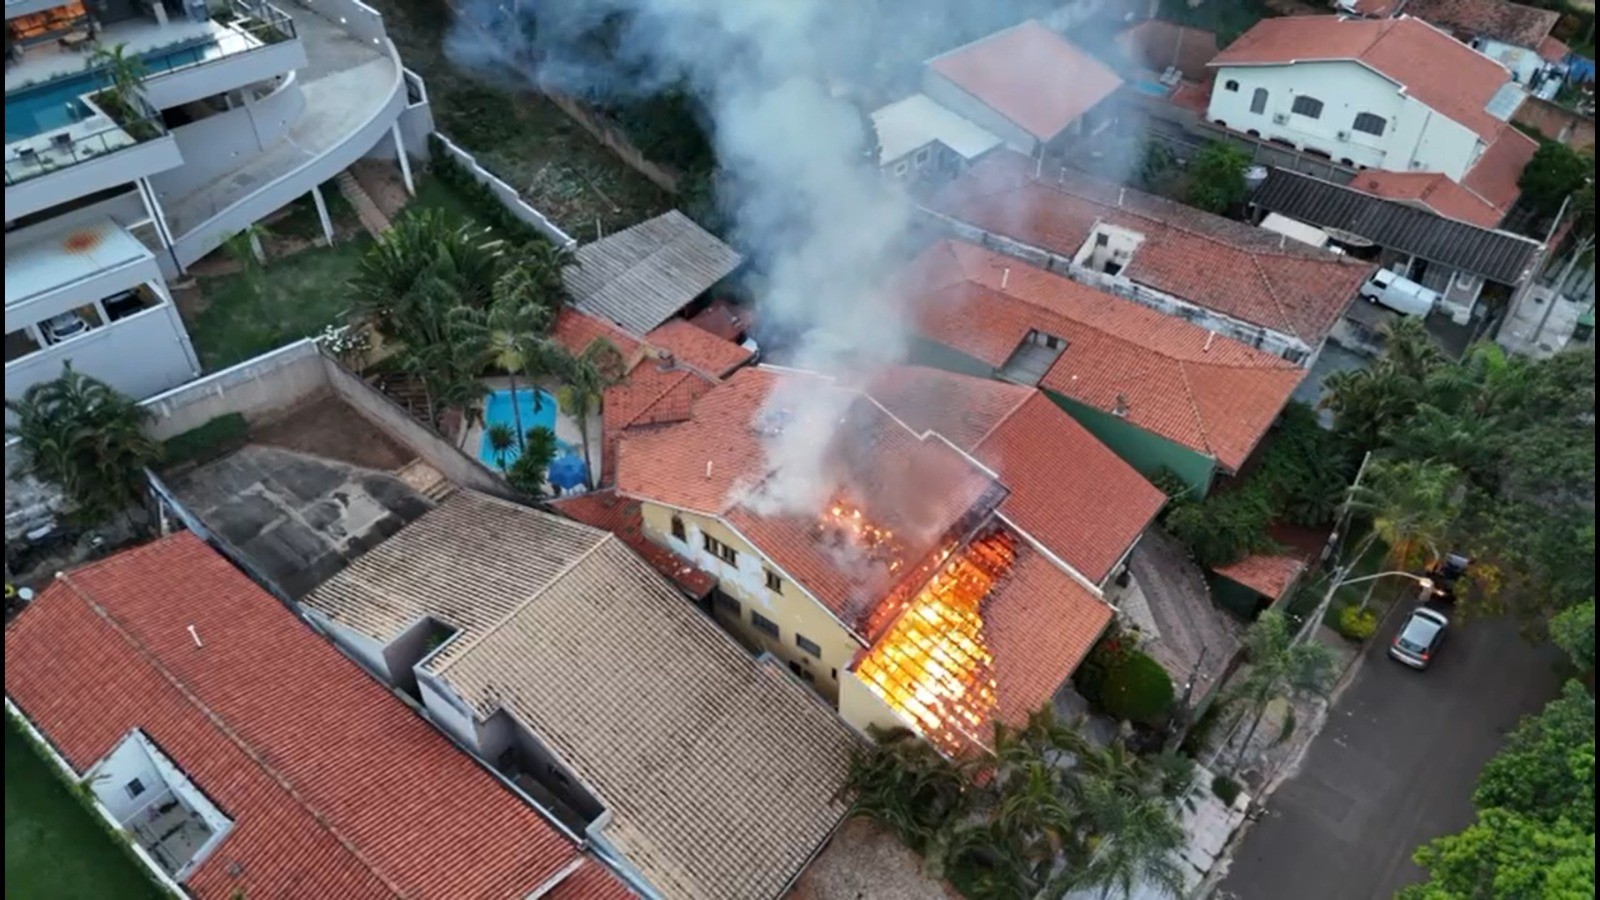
(1280, 118)
(1344, 136)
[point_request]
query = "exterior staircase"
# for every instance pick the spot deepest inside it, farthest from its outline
(425, 480)
(372, 218)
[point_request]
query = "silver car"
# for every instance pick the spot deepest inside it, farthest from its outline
(1419, 637)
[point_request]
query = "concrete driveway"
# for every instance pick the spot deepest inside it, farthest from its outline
(1394, 767)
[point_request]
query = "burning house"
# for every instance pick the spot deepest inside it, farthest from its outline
(884, 565)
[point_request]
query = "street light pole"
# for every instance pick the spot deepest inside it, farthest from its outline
(1310, 625)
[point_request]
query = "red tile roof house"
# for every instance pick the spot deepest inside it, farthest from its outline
(1162, 393)
(1514, 34)
(1026, 85)
(1395, 95)
(1239, 281)
(247, 757)
(938, 573)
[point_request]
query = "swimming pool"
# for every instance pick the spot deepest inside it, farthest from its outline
(1153, 88)
(498, 412)
(56, 104)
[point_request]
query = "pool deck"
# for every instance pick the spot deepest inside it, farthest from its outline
(45, 62)
(566, 426)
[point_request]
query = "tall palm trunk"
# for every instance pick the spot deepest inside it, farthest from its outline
(583, 437)
(516, 410)
(1244, 746)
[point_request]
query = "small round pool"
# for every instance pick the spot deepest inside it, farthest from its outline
(536, 408)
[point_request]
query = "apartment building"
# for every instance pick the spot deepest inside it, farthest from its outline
(119, 176)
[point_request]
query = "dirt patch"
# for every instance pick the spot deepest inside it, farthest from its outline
(329, 428)
(384, 183)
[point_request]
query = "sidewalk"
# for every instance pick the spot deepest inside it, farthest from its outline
(1520, 332)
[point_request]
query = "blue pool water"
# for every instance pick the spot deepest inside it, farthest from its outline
(1153, 88)
(498, 412)
(56, 104)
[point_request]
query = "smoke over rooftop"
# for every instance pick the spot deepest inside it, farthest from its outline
(824, 231)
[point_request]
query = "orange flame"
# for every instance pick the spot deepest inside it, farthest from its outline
(934, 665)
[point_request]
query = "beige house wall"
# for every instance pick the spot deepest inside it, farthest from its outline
(792, 609)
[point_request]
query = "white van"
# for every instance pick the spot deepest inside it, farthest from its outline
(1399, 294)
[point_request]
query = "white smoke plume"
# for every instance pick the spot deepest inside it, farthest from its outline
(823, 229)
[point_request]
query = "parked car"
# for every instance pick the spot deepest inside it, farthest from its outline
(1400, 294)
(59, 328)
(1420, 637)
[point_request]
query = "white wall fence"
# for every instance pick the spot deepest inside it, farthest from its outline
(506, 194)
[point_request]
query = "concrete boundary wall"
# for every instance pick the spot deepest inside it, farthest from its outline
(506, 194)
(429, 445)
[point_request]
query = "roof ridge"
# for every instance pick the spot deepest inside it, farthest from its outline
(1194, 404)
(1272, 291)
(1027, 394)
(516, 610)
(227, 731)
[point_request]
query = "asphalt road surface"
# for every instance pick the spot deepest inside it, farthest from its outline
(1394, 767)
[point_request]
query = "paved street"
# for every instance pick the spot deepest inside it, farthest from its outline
(1394, 767)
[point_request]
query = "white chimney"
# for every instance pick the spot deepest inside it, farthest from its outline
(195, 635)
(1005, 278)
(1209, 336)
(708, 470)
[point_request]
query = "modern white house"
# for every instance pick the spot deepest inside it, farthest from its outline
(1394, 94)
(241, 108)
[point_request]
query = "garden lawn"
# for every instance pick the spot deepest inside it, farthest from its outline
(54, 848)
(293, 297)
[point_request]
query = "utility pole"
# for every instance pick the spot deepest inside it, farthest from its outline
(1309, 626)
(1556, 294)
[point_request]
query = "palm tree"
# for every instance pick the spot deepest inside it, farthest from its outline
(1410, 349)
(1135, 840)
(423, 247)
(79, 434)
(501, 440)
(245, 247)
(511, 330)
(1413, 505)
(587, 376)
(1279, 668)
(126, 72)
(904, 784)
(543, 263)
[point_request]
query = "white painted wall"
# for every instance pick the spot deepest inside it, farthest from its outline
(137, 757)
(447, 710)
(144, 354)
(1416, 138)
(366, 650)
(221, 143)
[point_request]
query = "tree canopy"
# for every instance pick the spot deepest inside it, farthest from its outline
(1555, 172)
(1216, 178)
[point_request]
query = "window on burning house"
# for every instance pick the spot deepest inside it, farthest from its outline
(774, 582)
(726, 603)
(720, 550)
(677, 529)
(808, 645)
(765, 625)
(1231, 86)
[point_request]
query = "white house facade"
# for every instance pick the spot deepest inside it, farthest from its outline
(1345, 110)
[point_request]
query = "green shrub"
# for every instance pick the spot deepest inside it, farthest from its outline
(1226, 789)
(1357, 624)
(478, 195)
(1138, 689)
(1107, 653)
(207, 442)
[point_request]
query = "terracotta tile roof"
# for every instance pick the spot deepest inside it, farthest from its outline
(724, 320)
(1089, 513)
(1206, 392)
(577, 330)
(720, 775)
(1552, 50)
(590, 881)
(1375, 9)
(653, 394)
(1510, 23)
(696, 347)
(1031, 75)
(1040, 624)
(278, 728)
(1156, 44)
(1268, 574)
(1433, 191)
(1282, 285)
(717, 464)
(622, 517)
(1495, 175)
(1435, 68)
